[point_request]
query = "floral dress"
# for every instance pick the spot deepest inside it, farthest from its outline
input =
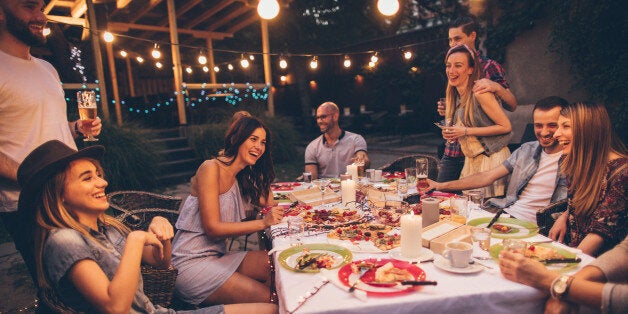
(609, 220)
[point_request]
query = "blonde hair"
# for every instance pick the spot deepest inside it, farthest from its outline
(451, 94)
(585, 165)
(51, 213)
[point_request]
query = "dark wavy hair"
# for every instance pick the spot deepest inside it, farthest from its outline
(254, 181)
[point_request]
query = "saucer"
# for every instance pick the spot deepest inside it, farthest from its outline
(426, 255)
(445, 265)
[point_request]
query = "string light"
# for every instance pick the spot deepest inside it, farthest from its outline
(374, 58)
(201, 58)
(314, 63)
(107, 36)
(205, 69)
(46, 31)
(230, 67)
(283, 63)
(268, 9)
(371, 64)
(407, 55)
(244, 62)
(188, 69)
(216, 69)
(139, 59)
(252, 57)
(388, 7)
(159, 65)
(156, 53)
(283, 78)
(347, 62)
(123, 53)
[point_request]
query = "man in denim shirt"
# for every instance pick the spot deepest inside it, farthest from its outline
(535, 181)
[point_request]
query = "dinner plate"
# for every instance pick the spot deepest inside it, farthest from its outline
(284, 186)
(520, 228)
(445, 265)
(367, 281)
(329, 223)
(562, 267)
(288, 257)
(425, 255)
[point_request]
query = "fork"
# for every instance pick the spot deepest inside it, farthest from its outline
(363, 270)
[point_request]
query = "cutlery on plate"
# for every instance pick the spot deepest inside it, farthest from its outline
(499, 213)
(562, 260)
(363, 270)
(418, 283)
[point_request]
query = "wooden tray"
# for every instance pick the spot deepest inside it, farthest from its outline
(312, 196)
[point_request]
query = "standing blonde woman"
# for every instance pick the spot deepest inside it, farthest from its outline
(87, 261)
(596, 167)
(479, 123)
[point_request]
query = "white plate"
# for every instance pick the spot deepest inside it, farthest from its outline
(426, 255)
(445, 265)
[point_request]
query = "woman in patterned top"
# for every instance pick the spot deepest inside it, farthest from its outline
(596, 168)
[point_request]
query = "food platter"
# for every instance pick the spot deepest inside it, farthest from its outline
(366, 238)
(340, 255)
(367, 283)
(495, 249)
(334, 217)
(284, 186)
(516, 228)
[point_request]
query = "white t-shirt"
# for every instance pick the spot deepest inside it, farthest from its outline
(32, 112)
(538, 192)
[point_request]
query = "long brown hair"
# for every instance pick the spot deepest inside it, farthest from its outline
(451, 94)
(52, 214)
(585, 165)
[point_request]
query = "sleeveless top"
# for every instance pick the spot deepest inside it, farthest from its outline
(491, 144)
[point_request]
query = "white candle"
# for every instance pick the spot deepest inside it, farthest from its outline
(353, 171)
(348, 191)
(411, 241)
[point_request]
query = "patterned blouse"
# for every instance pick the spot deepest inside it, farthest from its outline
(609, 219)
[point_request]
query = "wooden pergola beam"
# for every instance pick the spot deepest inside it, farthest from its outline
(209, 13)
(182, 10)
(152, 4)
(231, 16)
(121, 4)
(68, 20)
(78, 9)
(253, 17)
(124, 27)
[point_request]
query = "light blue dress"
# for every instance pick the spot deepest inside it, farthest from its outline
(203, 262)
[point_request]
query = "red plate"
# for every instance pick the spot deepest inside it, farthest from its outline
(378, 289)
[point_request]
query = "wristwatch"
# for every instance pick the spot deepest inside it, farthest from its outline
(560, 286)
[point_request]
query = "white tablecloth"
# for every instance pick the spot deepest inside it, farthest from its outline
(483, 292)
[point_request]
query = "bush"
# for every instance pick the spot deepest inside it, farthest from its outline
(207, 139)
(131, 161)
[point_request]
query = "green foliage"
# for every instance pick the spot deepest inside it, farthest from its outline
(131, 161)
(284, 138)
(207, 139)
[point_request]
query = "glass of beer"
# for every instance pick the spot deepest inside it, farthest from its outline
(87, 109)
(422, 170)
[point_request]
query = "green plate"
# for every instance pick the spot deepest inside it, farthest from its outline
(520, 228)
(288, 258)
(563, 267)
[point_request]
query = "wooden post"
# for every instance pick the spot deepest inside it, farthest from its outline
(114, 82)
(129, 74)
(100, 72)
(176, 61)
(210, 61)
(268, 78)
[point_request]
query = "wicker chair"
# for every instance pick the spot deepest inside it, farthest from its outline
(158, 283)
(124, 201)
(546, 217)
(401, 163)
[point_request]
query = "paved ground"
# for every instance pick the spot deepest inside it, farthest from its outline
(17, 291)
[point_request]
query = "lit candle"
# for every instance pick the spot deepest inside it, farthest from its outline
(353, 171)
(430, 211)
(411, 226)
(348, 191)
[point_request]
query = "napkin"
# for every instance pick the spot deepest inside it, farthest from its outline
(332, 276)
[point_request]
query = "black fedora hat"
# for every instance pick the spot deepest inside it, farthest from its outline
(44, 162)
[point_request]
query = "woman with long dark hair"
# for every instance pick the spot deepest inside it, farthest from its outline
(225, 188)
(595, 165)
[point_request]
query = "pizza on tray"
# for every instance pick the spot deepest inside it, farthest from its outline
(331, 217)
(376, 233)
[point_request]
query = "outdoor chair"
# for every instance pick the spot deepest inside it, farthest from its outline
(409, 161)
(546, 217)
(125, 201)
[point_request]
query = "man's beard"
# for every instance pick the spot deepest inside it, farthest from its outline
(20, 30)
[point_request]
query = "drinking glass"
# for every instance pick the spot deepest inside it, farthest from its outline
(482, 238)
(370, 175)
(458, 205)
(402, 187)
(87, 109)
(322, 184)
(296, 227)
(411, 175)
(307, 177)
(422, 171)
(476, 199)
(514, 245)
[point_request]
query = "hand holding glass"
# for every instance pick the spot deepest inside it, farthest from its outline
(87, 110)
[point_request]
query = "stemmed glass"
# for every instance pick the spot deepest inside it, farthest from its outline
(87, 109)
(322, 184)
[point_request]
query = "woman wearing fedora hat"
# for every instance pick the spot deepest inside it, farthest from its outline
(86, 260)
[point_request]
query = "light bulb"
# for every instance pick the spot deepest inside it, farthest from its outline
(371, 64)
(407, 55)
(229, 67)
(374, 58)
(156, 53)
(347, 62)
(252, 57)
(205, 69)
(159, 65)
(216, 69)
(189, 70)
(46, 31)
(268, 9)
(388, 7)
(314, 63)
(123, 53)
(139, 59)
(283, 63)
(283, 78)
(107, 36)
(244, 63)
(202, 59)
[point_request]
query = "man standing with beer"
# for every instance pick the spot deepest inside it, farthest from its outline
(32, 108)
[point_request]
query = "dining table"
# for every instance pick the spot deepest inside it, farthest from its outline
(483, 290)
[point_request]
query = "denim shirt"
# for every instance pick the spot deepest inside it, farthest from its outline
(66, 247)
(522, 165)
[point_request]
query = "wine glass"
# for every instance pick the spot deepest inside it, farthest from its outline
(482, 238)
(87, 110)
(322, 184)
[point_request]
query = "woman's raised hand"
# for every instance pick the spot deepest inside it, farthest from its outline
(148, 238)
(161, 228)
(273, 216)
(559, 229)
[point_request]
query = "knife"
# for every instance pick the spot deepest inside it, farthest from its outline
(562, 260)
(419, 283)
(499, 213)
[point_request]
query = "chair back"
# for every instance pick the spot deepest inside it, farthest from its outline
(546, 217)
(124, 201)
(409, 161)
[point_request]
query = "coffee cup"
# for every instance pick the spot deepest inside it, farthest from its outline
(458, 254)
